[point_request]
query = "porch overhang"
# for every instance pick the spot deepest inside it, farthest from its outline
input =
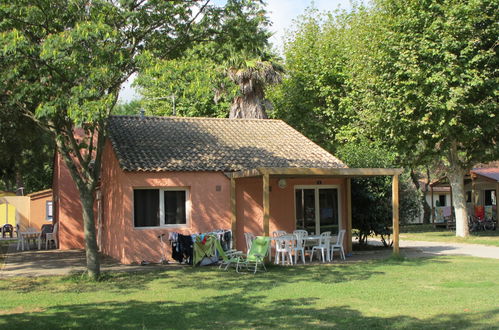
(335, 172)
(347, 173)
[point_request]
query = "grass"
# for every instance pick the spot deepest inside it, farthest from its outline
(442, 292)
(429, 233)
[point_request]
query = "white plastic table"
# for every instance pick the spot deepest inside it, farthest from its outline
(26, 236)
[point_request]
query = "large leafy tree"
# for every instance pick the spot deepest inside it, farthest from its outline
(312, 95)
(427, 77)
(63, 63)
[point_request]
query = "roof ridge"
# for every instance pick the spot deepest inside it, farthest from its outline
(195, 118)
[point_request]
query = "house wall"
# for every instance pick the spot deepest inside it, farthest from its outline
(68, 208)
(15, 210)
(249, 203)
(38, 212)
(210, 209)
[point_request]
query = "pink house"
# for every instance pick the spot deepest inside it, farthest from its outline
(194, 175)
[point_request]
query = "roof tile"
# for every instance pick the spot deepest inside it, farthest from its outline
(212, 144)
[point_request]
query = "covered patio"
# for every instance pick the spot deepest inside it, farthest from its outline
(269, 187)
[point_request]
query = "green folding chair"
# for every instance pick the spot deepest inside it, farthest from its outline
(256, 255)
(230, 257)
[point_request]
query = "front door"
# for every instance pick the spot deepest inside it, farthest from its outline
(317, 208)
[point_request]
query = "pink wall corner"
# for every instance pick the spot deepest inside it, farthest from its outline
(68, 209)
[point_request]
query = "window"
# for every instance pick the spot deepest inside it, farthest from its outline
(441, 200)
(160, 207)
(468, 197)
(146, 207)
(49, 211)
(490, 197)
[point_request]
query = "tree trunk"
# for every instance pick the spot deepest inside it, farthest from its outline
(92, 255)
(247, 107)
(456, 179)
(19, 183)
(250, 105)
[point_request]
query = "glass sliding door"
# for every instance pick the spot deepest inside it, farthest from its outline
(305, 209)
(328, 210)
(317, 209)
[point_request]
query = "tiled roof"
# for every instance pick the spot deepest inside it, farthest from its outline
(491, 173)
(212, 144)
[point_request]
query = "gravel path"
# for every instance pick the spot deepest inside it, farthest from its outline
(441, 248)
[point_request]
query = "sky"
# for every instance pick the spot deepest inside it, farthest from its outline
(281, 13)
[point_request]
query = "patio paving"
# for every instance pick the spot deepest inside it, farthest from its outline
(34, 263)
(58, 262)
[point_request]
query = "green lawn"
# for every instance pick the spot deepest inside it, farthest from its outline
(429, 233)
(442, 292)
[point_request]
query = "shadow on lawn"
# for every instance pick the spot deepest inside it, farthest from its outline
(124, 283)
(231, 311)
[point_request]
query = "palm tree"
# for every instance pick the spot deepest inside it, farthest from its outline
(252, 77)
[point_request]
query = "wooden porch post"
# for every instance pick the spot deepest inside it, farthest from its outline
(266, 205)
(233, 218)
(349, 214)
(474, 199)
(497, 204)
(395, 211)
(432, 205)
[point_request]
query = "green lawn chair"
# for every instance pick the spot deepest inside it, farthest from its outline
(256, 255)
(230, 257)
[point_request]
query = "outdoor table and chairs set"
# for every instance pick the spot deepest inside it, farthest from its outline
(291, 248)
(31, 236)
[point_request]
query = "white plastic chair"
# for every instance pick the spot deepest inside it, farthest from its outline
(279, 233)
(249, 237)
(284, 248)
(298, 247)
(304, 234)
(324, 242)
(51, 237)
(339, 245)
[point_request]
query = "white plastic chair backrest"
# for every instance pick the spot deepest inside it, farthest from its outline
(298, 242)
(341, 236)
(301, 232)
(56, 226)
(31, 230)
(279, 233)
(325, 238)
(285, 242)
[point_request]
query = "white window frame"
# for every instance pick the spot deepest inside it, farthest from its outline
(49, 210)
(316, 187)
(162, 224)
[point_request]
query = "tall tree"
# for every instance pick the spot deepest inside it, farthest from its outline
(427, 76)
(63, 63)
